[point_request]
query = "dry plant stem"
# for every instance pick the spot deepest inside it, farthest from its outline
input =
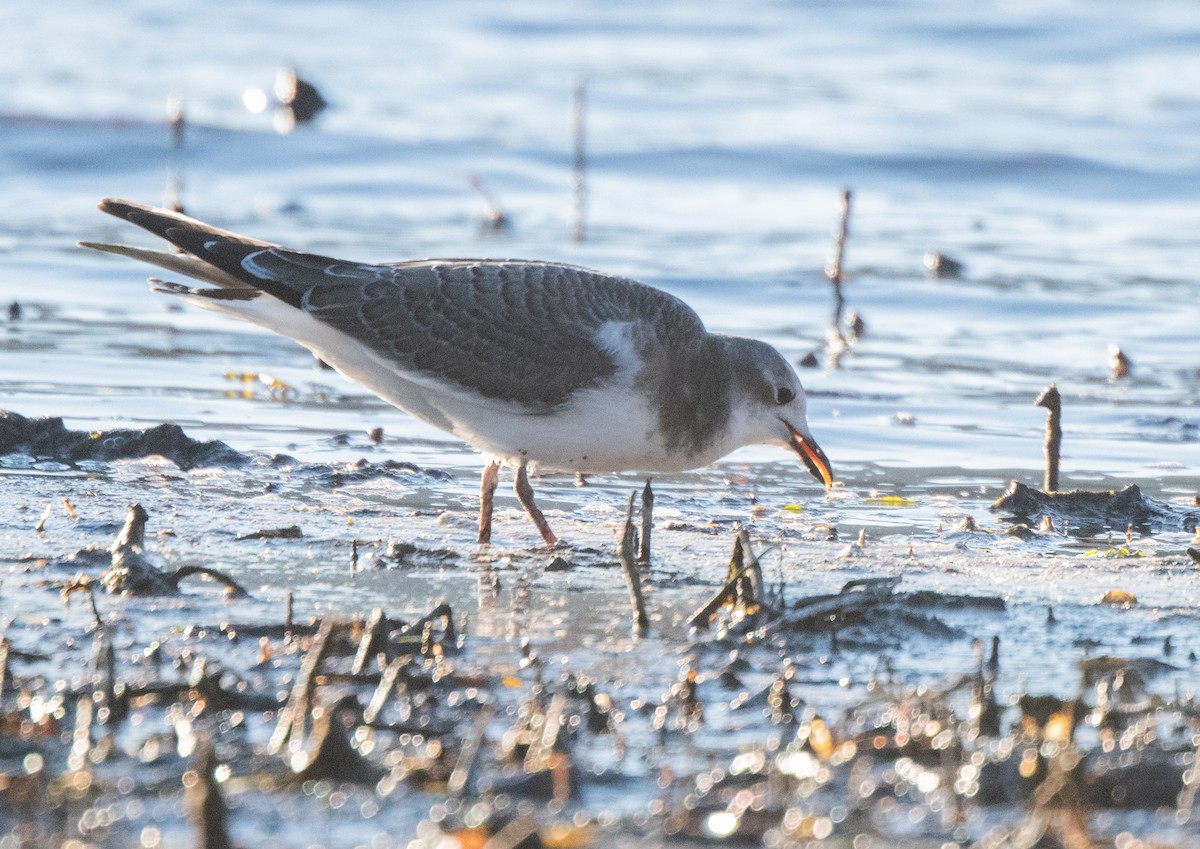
(1187, 797)
(579, 172)
(834, 268)
(4, 644)
(736, 558)
(855, 596)
(106, 668)
(752, 569)
(372, 638)
(538, 756)
(744, 583)
(133, 533)
(744, 586)
(234, 588)
(81, 739)
(494, 213)
(643, 557)
(294, 716)
(287, 618)
(386, 683)
(726, 595)
(1052, 401)
(208, 808)
(514, 833)
(334, 758)
(83, 584)
(525, 496)
(457, 783)
(641, 622)
(487, 492)
(443, 612)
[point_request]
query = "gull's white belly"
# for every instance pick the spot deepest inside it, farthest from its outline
(599, 431)
(607, 429)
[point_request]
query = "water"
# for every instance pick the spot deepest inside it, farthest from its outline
(1050, 147)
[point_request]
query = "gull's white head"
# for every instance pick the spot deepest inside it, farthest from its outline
(770, 406)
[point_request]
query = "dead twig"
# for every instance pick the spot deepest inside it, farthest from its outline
(4, 647)
(835, 272)
(382, 692)
(441, 612)
(372, 640)
(544, 729)
(854, 596)
(579, 172)
(232, 588)
(752, 587)
(515, 833)
(495, 221)
(204, 800)
(293, 718)
(456, 785)
(641, 621)
(744, 586)
(83, 584)
(643, 558)
(833, 268)
(1052, 401)
(333, 757)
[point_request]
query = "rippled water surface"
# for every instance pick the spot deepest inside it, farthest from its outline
(1048, 147)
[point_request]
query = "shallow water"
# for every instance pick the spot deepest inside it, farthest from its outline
(1049, 147)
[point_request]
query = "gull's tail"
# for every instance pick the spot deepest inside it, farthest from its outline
(204, 253)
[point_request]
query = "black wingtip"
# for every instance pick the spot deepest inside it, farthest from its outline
(116, 206)
(222, 249)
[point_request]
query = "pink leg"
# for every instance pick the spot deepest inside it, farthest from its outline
(487, 488)
(525, 496)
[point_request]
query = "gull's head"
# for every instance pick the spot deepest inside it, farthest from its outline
(770, 407)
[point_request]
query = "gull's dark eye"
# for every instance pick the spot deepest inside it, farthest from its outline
(783, 395)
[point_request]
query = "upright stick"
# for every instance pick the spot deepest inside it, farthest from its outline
(643, 557)
(641, 621)
(579, 172)
(1052, 401)
(834, 267)
(836, 344)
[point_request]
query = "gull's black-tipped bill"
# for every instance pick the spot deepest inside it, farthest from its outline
(814, 458)
(533, 363)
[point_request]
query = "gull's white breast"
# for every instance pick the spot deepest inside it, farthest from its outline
(608, 427)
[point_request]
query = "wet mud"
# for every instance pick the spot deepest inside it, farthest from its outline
(837, 695)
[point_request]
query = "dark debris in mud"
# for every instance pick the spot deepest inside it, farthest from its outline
(1087, 512)
(365, 471)
(201, 726)
(48, 439)
(398, 709)
(128, 570)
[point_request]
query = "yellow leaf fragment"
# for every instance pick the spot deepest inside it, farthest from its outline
(1119, 598)
(891, 501)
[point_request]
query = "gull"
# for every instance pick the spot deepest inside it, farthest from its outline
(538, 364)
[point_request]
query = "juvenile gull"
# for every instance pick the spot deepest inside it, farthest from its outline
(537, 363)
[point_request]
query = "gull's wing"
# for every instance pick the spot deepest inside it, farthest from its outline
(525, 332)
